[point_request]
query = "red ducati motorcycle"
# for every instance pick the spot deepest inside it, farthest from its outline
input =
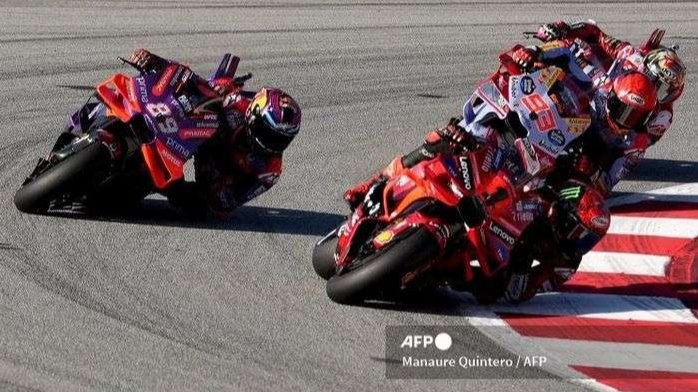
(463, 211)
(438, 216)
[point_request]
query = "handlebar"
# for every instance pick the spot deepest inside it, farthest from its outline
(242, 79)
(498, 195)
(529, 34)
(134, 65)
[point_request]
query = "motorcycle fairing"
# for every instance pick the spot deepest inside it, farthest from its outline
(486, 103)
(179, 124)
(403, 195)
(118, 95)
(362, 221)
(165, 168)
(501, 230)
(411, 221)
(548, 131)
(428, 179)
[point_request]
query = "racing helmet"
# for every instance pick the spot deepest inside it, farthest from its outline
(668, 72)
(581, 219)
(631, 101)
(273, 120)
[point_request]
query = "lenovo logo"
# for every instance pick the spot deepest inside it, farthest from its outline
(502, 234)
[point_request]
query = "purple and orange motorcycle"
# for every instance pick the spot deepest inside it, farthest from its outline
(131, 138)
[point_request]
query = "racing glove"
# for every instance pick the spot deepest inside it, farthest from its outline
(355, 195)
(454, 135)
(146, 60)
(188, 197)
(525, 58)
(552, 31)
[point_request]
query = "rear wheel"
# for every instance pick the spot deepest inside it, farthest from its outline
(323, 256)
(35, 195)
(384, 268)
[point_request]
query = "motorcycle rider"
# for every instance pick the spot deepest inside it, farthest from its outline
(620, 112)
(615, 57)
(244, 158)
(660, 63)
(577, 221)
(558, 241)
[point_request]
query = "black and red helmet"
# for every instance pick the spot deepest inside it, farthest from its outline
(584, 220)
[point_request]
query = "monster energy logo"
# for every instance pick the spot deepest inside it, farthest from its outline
(571, 193)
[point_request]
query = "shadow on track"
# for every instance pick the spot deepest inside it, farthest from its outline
(443, 302)
(665, 170)
(154, 212)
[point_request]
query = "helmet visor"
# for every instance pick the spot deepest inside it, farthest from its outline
(269, 139)
(665, 91)
(586, 241)
(577, 234)
(625, 115)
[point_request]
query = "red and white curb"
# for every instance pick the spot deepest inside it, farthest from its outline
(628, 320)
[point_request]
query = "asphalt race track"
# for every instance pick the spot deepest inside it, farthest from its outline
(152, 301)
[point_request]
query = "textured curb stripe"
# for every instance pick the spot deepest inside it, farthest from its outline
(651, 245)
(603, 330)
(661, 227)
(628, 318)
(641, 381)
(625, 263)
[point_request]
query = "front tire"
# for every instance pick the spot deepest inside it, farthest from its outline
(35, 195)
(383, 268)
(323, 256)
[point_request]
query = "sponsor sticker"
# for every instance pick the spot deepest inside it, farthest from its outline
(143, 90)
(384, 237)
(636, 98)
(527, 85)
(196, 133)
(556, 137)
(550, 75)
(577, 125)
(600, 222)
(162, 84)
(501, 233)
(465, 170)
(184, 102)
(176, 146)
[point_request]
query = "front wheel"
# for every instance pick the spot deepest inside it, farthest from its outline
(323, 256)
(35, 195)
(383, 268)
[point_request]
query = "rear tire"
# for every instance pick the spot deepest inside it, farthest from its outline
(383, 268)
(35, 195)
(323, 256)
